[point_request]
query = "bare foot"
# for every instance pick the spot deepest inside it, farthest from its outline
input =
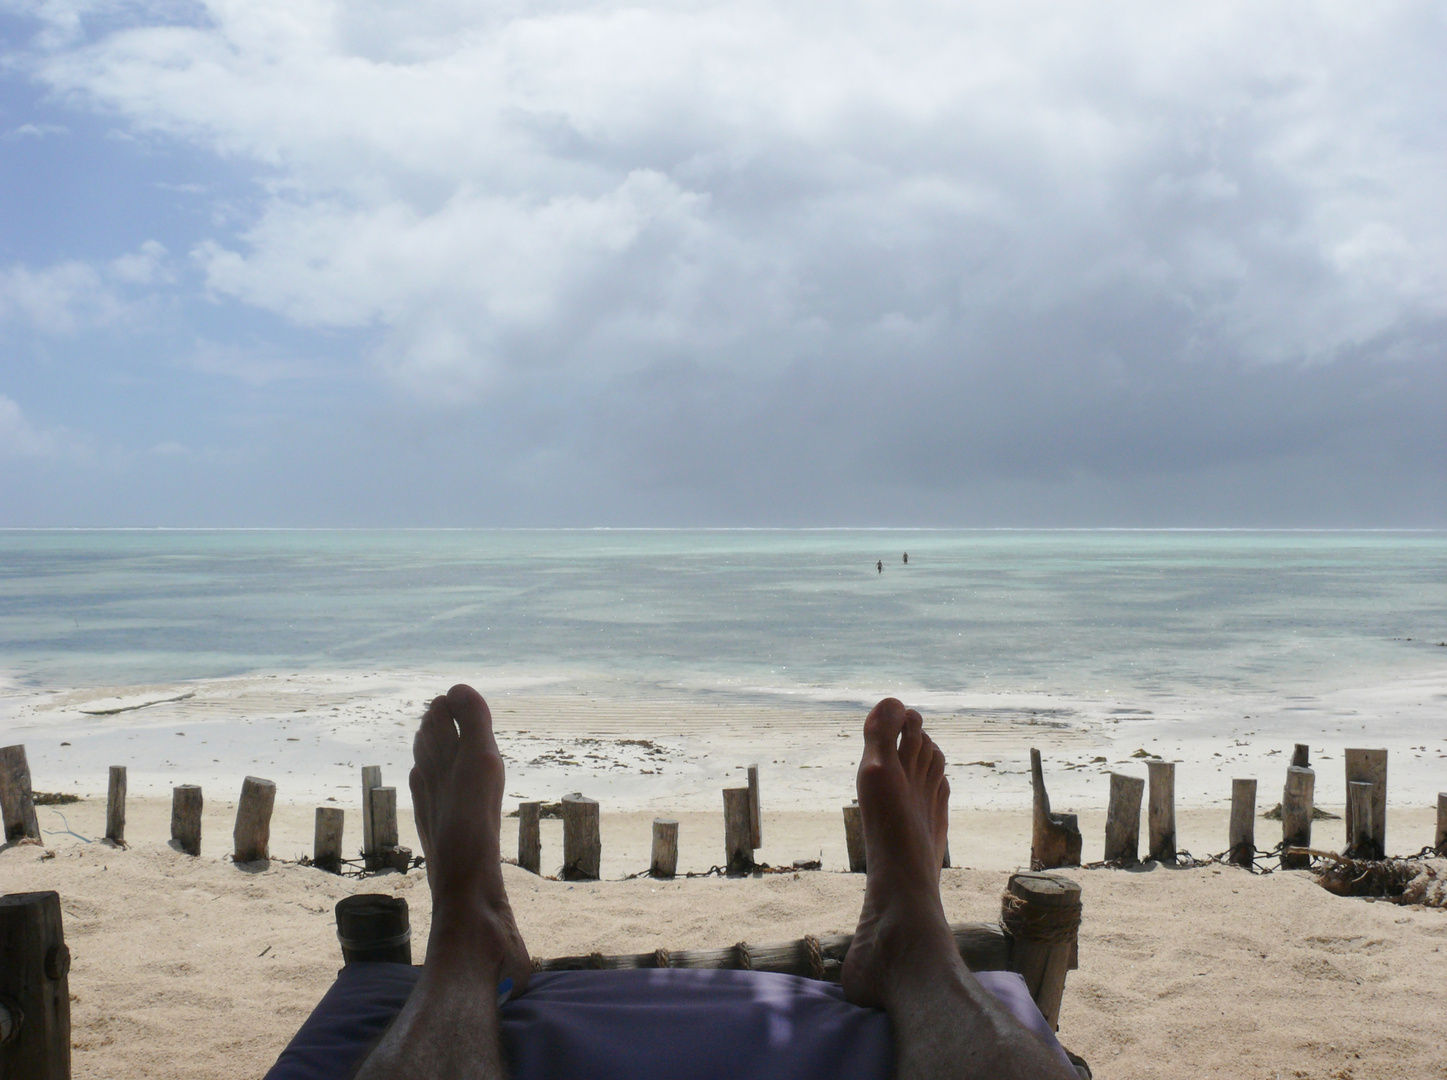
(904, 800)
(457, 787)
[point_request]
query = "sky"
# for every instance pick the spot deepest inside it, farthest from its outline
(916, 263)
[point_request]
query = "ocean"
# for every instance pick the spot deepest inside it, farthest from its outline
(1125, 620)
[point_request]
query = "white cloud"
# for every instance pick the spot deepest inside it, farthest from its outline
(501, 187)
(20, 438)
(76, 295)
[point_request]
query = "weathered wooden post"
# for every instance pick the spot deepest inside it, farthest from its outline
(1161, 813)
(17, 801)
(738, 852)
(34, 988)
(1359, 821)
(1055, 838)
(530, 837)
(186, 818)
(582, 844)
(1368, 767)
(371, 780)
(1301, 756)
(251, 835)
(1440, 844)
(1041, 913)
(1123, 819)
(664, 863)
(374, 927)
(854, 838)
(756, 817)
(327, 843)
(384, 820)
(1296, 806)
(1241, 842)
(116, 806)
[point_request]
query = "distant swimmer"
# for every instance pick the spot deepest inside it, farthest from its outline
(879, 566)
(906, 558)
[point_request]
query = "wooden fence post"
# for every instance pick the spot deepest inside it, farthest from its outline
(1161, 814)
(1055, 838)
(854, 838)
(251, 835)
(186, 818)
(1301, 756)
(1241, 843)
(738, 854)
(1369, 767)
(116, 806)
(374, 926)
(756, 818)
(1041, 913)
(1123, 819)
(1359, 821)
(327, 842)
(582, 844)
(1440, 844)
(17, 801)
(371, 779)
(664, 863)
(1297, 801)
(34, 987)
(530, 837)
(384, 820)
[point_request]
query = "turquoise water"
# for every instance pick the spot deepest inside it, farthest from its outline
(1073, 612)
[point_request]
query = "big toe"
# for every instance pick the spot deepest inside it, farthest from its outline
(474, 719)
(883, 725)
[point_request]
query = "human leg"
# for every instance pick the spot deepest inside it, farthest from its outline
(449, 1028)
(903, 959)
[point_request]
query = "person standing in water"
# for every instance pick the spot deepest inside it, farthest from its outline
(879, 566)
(906, 558)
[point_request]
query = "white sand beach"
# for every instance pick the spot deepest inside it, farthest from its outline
(200, 968)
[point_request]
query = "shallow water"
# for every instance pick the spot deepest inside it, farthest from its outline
(1074, 612)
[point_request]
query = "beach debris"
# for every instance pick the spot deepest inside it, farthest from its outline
(1142, 754)
(1402, 881)
(1317, 814)
(54, 798)
(981, 764)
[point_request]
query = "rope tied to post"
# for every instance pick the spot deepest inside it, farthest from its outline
(746, 961)
(1053, 925)
(595, 961)
(815, 956)
(661, 959)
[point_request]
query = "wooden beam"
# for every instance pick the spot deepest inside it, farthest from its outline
(116, 806)
(186, 818)
(1123, 819)
(17, 800)
(664, 863)
(582, 843)
(1241, 837)
(1055, 838)
(530, 837)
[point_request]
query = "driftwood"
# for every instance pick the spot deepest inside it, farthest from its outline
(1055, 838)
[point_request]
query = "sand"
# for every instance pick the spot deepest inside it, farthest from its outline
(198, 968)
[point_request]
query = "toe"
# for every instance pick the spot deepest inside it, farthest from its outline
(883, 724)
(911, 741)
(474, 720)
(935, 773)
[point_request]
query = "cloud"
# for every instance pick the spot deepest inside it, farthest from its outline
(689, 240)
(21, 439)
(76, 295)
